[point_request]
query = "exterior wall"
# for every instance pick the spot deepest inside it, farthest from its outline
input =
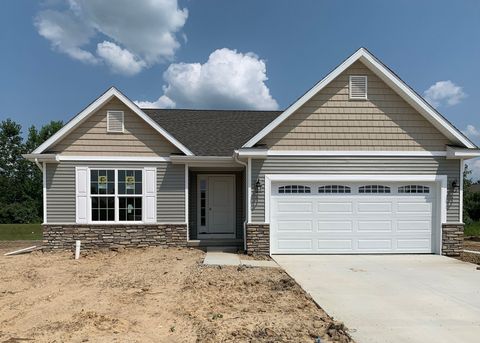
(239, 201)
(92, 139)
(258, 239)
(452, 239)
(63, 237)
(61, 189)
(330, 121)
(356, 165)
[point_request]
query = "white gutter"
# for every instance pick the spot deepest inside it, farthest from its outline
(39, 165)
(247, 200)
(462, 153)
(41, 157)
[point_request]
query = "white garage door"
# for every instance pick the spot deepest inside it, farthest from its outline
(309, 218)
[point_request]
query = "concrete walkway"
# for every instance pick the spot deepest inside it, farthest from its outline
(397, 298)
(222, 257)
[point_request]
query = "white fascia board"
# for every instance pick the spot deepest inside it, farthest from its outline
(102, 100)
(387, 76)
(254, 153)
(458, 153)
(354, 153)
(113, 158)
(41, 157)
(205, 161)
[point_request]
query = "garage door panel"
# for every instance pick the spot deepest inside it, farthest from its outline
(375, 226)
(334, 207)
(298, 206)
(295, 226)
(335, 244)
(414, 225)
(353, 222)
(375, 244)
(335, 226)
(374, 207)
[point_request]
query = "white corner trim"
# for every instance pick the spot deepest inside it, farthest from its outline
(249, 190)
(113, 158)
(462, 169)
(439, 179)
(104, 98)
(388, 77)
(354, 153)
(44, 177)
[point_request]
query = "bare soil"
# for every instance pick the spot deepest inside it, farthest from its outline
(473, 244)
(153, 295)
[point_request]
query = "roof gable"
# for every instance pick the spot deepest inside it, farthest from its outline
(331, 121)
(392, 80)
(96, 105)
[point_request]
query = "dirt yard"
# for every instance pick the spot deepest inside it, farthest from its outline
(473, 244)
(153, 295)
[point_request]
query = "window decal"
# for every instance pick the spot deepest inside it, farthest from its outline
(414, 189)
(377, 189)
(334, 189)
(294, 189)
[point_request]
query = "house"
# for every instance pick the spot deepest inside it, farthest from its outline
(358, 164)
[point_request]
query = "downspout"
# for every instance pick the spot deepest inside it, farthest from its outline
(235, 157)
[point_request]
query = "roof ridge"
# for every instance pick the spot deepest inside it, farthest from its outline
(206, 110)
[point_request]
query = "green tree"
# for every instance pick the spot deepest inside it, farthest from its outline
(21, 180)
(471, 200)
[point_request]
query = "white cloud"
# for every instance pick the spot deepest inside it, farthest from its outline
(444, 92)
(471, 132)
(229, 80)
(143, 31)
(120, 60)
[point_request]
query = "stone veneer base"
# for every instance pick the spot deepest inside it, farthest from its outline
(452, 239)
(63, 237)
(258, 239)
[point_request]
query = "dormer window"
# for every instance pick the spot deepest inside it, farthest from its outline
(115, 121)
(358, 87)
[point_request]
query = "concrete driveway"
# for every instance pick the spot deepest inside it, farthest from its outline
(397, 298)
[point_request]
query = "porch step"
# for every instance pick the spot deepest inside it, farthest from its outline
(238, 243)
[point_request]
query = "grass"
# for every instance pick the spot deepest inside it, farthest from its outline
(20, 232)
(473, 229)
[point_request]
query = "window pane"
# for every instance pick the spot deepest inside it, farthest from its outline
(130, 208)
(130, 182)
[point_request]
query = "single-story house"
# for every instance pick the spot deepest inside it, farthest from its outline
(359, 164)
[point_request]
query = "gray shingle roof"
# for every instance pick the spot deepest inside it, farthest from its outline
(212, 132)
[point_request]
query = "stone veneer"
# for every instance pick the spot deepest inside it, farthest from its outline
(114, 236)
(452, 239)
(258, 239)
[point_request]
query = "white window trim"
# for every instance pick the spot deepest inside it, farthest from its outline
(350, 96)
(109, 113)
(116, 195)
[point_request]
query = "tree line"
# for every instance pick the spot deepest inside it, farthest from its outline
(21, 188)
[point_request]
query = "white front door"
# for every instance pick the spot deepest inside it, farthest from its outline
(216, 204)
(351, 218)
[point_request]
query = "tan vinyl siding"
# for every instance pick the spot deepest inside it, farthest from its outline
(330, 121)
(61, 189)
(357, 165)
(91, 137)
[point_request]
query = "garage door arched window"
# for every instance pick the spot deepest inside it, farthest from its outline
(414, 189)
(376, 189)
(294, 189)
(334, 189)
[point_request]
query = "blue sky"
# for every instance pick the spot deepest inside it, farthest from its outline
(57, 56)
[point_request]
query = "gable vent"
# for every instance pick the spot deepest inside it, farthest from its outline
(115, 121)
(358, 87)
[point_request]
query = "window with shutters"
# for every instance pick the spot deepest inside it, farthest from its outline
(116, 195)
(115, 121)
(358, 87)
